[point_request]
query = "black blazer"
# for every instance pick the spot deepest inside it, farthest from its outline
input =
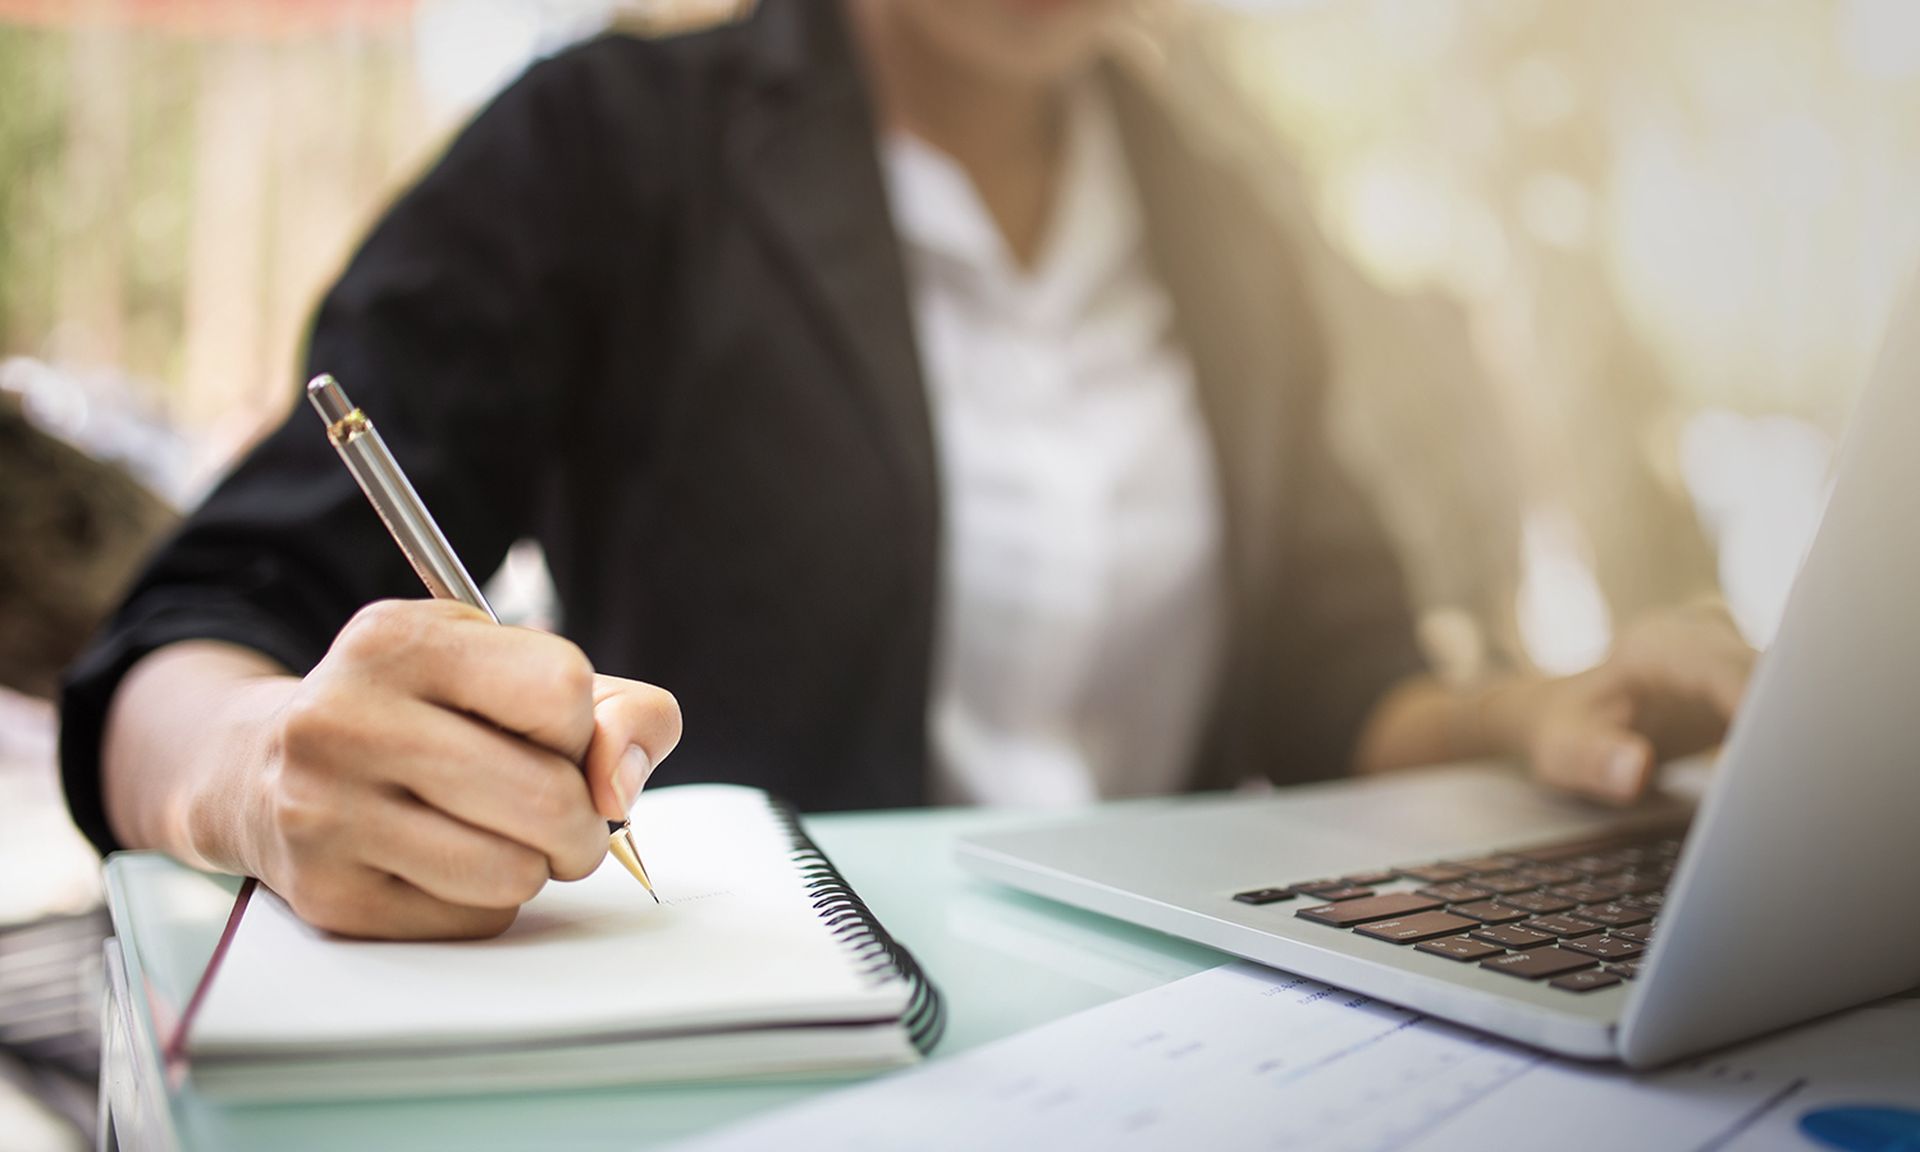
(650, 309)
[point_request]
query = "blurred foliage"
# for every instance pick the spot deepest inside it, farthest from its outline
(160, 166)
(132, 194)
(32, 130)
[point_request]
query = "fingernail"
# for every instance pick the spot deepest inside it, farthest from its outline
(1623, 771)
(634, 770)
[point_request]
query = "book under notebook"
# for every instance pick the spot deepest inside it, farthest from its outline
(758, 961)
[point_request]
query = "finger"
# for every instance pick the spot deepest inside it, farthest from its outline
(1590, 746)
(502, 784)
(366, 903)
(1696, 654)
(1610, 764)
(450, 861)
(636, 726)
(531, 683)
(461, 765)
(1621, 767)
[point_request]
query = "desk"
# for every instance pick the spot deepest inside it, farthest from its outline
(1005, 961)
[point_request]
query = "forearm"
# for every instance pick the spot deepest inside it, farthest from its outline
(185, 737)
(1422, 721)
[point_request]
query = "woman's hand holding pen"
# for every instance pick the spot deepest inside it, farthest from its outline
(427, 778)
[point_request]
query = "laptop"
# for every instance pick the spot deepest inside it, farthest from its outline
(1790, 890)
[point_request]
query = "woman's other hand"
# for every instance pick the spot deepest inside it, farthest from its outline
(1670, 688)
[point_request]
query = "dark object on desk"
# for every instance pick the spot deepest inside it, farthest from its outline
(72, 532)
(50, 991)
(667, 270)
(50, 998)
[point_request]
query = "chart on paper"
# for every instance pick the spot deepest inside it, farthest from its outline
(1243, 1057)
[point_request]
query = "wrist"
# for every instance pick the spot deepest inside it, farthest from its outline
(1508, 715)
(221, 819)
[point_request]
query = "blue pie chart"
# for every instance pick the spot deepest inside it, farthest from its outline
(1860, 1128)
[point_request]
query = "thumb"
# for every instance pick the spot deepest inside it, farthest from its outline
(1593, 750)
(635, 727)
(1623, 767)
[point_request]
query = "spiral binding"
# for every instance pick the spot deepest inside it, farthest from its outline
(853, 924)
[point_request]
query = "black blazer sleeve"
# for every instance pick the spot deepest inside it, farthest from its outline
(1347, 633)
(458, 326)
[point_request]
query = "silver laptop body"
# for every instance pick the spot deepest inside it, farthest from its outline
(1797, 891)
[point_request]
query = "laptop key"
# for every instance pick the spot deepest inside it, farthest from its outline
(1439, 872)
(1459, 948)
(1350, 912)
(1613, 915)
(1538, 963)
(1372, 879)
(1560, 853)
(1627, 971)
(1505, 883)
(1457, 892)
(1562, 926)
(1604, 947)
(1640, 883)
(1638, 933)
(1338, 893)
(1487, 863)
(1596, 864)
(1586, 892)
(1586, 981)
(1541, 875)
(1264, 895)
(1513, 936)
(1537, 903)
(1414, 929)
(1487, 912)
(1612, 888)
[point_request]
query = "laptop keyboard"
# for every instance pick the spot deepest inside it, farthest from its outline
(1577, 914)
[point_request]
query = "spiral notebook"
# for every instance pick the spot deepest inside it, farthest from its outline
(760, 961)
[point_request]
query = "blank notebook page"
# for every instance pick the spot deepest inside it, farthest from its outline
(736, 942)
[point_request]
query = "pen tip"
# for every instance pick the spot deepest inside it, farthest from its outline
(622, 846)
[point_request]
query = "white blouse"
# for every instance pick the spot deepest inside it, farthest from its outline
(1080, 607)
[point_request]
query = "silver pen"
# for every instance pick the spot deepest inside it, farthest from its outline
(420, 539)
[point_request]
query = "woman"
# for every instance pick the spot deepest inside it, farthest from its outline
(891, 382)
